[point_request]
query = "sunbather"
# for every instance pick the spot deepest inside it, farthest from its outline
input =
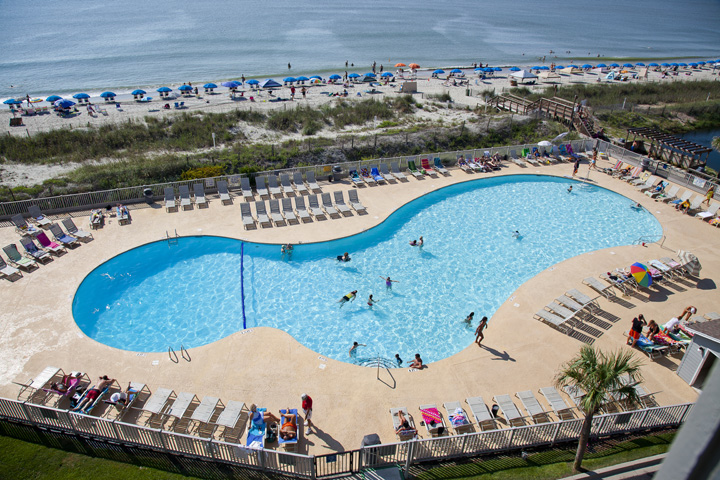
(653, 329)
(672, 326)
(257, 417)
(64, 384)
(123, 398)
(92, 394)
(403, 423)
(288, 431)
(687, 312)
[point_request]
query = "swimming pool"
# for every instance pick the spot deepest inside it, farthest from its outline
(161, 295)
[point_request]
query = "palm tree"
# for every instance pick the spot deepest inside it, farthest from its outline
(598, 375)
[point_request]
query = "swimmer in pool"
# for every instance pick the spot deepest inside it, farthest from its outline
(353, 350)
(286, 248)
(345, 257)
(347, 298)
(388, 282)
(371, 301)
(516, 234)
(570, 189)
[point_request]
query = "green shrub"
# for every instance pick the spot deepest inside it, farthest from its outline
(203, 172)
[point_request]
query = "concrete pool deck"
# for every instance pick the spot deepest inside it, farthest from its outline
(268, 367)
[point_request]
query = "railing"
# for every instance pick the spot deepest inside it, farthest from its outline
(337, 464)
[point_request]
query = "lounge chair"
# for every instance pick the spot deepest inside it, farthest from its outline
(53, 247)
(648, 185)
(532, 406)
(134, 391)
(657, 190)
(7, 271)
(677, 268)
(530, 158)
(179, 407)
(514, 158)
(665, 269)
(61, 236)
(287, 210)
(464, 165)
(576, 394)
(301, 209)
(299, 184)
(355, 202)
(311, 182)
(439, 166)
(668, 195)
(73, 230)
(204, 412)
(246, 189)
(577, 308)
(385, 172)
(261, 186)
(641, 180)
(223, 192)
(598, 286)
(96, 219)
(397, 173)
(157, 404)
(429, 170)
(123, 216)
(262, 216)
(38, 216)
(290, 444)
(328, 206)
(256, 432)
(229, 417)
(39, 382)
(685, 196)
(199, 192)
(587, 302)
(40, 255)
(273, 186)
(314, 207)
(169, 199)
(403, 434)
(509, 410)
(414, 170)
(433, 419)
(480, 411)
(340, 203)
(71, 382)
(556, 402)
(709, 213)
(89, 407)
(275, 214)
(375, 173)
(633, 175)
(458, 419)
(649, 348)
(22, 227)
(356, 178)
(17, 260)
(185, 197)
(552, 319)
(367, 178)
(246, 216)
(286, 185)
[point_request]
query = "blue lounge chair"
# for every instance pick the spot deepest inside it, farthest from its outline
(375, 173)
(256, 433)
(292, 443)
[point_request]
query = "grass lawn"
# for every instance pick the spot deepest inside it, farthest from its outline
(552, 464)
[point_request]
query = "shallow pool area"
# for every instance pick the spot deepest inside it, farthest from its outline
(161, 295)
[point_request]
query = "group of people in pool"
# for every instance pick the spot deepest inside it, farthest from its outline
(416, 363)
(350, 297)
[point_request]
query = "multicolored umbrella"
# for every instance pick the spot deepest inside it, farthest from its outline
(641, 274)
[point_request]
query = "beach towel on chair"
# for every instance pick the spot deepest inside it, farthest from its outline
(431, 416)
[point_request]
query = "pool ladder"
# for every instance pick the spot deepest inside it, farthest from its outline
(172, 240)
(183, 353)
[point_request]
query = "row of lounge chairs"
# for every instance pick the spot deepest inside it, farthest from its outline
(567, 310)
(289, 215)
(485, 164)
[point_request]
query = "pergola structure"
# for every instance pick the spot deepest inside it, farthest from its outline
(670, 148)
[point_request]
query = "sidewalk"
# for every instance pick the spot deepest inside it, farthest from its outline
(642, 468)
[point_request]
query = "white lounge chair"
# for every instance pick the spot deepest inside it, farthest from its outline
(403, 434)
(649, 184)
(169, 199)
(38, 216)
(246, 216)
(275, 214)
(179, 408)
(246, 189)
(199, 192)
(457, 418)
(340, 203)
(7, 271)
(273, 186)
(223, 191)
(434, 426)
(299, 184)
(262, 216)
(39, 382)
(709, 213)
(74, 231)
(509, 410)
(285, 183)
(314, 207)
(532, 406)
(157, 404)
(397, 173)
(685, 196)
(641, 180)
(480, 411)
(328, 206)
(204, 412)
(598, 286)
(185, 197)
(514, 158)
(287, 210)
(385, 172)
(301, 209)
(587, 302)
(311, 182)
(229, 417)
(669, 195)
(260, 186)
(558, 405)
(552, 319)
(355, 202)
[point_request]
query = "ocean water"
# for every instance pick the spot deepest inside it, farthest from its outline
(52, 47)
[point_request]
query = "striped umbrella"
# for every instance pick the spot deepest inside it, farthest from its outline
(641, 274)
(690, 262)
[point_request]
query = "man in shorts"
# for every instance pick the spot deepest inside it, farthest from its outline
(307, 411)
(635, 331)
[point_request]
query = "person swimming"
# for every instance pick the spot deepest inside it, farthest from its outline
(345, 257)
(347, 298)
(398, 360)
(371, 301)
(286, 248)
(417, 243)
(516, 234)
(570, 189)
(388, 282)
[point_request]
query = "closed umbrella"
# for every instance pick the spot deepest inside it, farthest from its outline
(640, 274)
(690, 262)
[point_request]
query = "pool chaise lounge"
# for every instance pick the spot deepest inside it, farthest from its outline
(179, 408)
(439, 167)
(587, 302)
(273, 186)
(38, 216)
(7, 271)
(509, 410)
(709, 213)
(262, 216)
(458, 419)
(367, 177)
(199, 192)
(532, 406)
(553, 320)
(185, 202)
(203, 413)
(73, 230)
(355, 202)
(287, 210)
(668, 195)
(429, 170)
(286, 185)
(256, 432)
(157, 404)
(516, 159)
(275, 214)
(340, 203)
(414, 170)
(39, 382)
(299, 183)
(375, 173)
(22, 227)
(135, 390)
(328, 206)
(260, 186)
(53, 247)
(311, 182)
(246, 189)
(169, 194)
(41, 255)
(397, 173)
(229, 418)
(17, 260)
(301, 209)
(480, 411)
(356, 178)
(598, 286)
(385, 172)
(314, 207)
(61, 236)
(246, 216)
(405, 433)
(556, 402)
(434, 422)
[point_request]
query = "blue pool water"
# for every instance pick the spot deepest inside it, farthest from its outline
(161, 295)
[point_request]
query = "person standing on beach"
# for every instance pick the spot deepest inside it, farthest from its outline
(242, 78)
(576, 167)
(479, 337)
(289, 66)
(307, 411)
(292, 93)
(303, 90)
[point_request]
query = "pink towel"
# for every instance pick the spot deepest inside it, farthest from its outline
(431, 415)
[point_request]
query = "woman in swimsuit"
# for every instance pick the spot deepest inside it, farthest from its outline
(388, 282)
(350, 296)
(288, 431)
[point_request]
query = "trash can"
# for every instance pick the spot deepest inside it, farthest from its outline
(645, 163)
(148, 193)
(337, 173)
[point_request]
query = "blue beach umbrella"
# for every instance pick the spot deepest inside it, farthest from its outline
(136, 92)
(53, 98)
(369, 74)
(316, 76)
(185, 88)
(701, 63)
(209, 85)
(653, 64)
(12, 101)
(514, 69)
(488, 70)
(63, 103)
(107, 95)
(628, 65)
(231, 84)
(614, 65)
(497, 69)
(587, 65)
(302, 79)
(289, 79)
(441, 71)
(81, 96)
(353, 75)
(334, 76)
(673, 64)
(559, 67)
(164, 89)
(252, 81)
(601, 65)
(545, 67)
(455, 70)
(664, 64)
(387, 74)
(693, 64)
(639, 64)
(535, 68)
(682, 64)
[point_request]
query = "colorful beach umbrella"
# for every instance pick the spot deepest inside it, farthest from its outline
(414, 66)
(136, 92)
(400, 65)
(185, 88)
(81, 95)
(107, 95)
(640, 274)
(36, 100)
(690, 262)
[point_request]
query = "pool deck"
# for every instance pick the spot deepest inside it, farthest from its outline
(268, 367)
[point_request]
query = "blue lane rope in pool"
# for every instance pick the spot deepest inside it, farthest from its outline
(242, 282)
